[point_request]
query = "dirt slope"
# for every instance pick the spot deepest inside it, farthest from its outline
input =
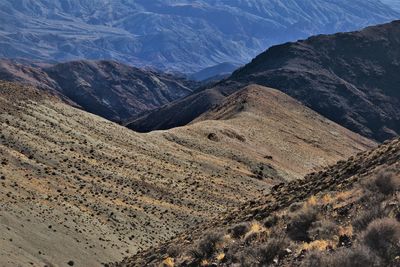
(76, 187)
(345, 215)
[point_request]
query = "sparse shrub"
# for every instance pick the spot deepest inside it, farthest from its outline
(320, 245)
(344, 257)
(295, 206)
(263, 254)
(387, 182)
(239, 230)
(247, 258)
(322, 230)
(173, 251)
(273, 248)
(232, 252)
(366, 217)
(255, 232)
(383, 237)
(300, 222)
(250, 237)
(271, 221)
(168, 262)
(206, 246)
(314, 259)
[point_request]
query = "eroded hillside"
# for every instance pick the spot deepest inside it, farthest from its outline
(82, 190)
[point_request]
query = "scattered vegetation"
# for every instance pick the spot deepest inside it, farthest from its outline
(346, 216)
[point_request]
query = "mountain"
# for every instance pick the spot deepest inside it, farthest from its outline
(345, 215)
(179, 35)
(80, 190)
(393, 4)
(216, 72)
(351, 78)
(112, 90)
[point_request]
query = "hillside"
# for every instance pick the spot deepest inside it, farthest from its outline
(179, 35)
(345, 215)
(351, 78)
(81, 190)
(106, 88)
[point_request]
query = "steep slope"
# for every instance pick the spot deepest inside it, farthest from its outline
(179, 35)
(112, 90)
(351, 78)
(82, 189)
(345, 215)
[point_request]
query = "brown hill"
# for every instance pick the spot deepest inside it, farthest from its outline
(80, 188)
(106, 88)
(351, 78)
(345, 215)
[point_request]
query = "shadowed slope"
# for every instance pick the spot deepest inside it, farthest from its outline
(106, 88)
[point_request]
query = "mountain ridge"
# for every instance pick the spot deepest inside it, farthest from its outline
(107, 88)
(354, 73)
(176, 35)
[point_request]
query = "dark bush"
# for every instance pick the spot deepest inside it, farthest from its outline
(206, 247)
(247, 258)
(383, 237)
(387, 182)
(271, 221)
(295, 206)
(263, 254)
(273, 248)
(314, 259)
(239, 230)
(344, 257)
(173, 251)
(322, 230)
(251, 237)
(367, 216)
(300, 222)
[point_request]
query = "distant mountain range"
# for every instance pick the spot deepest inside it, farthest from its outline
(395, 4)
(176, 35)
(351, 78)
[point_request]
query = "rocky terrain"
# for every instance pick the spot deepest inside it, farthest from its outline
(180, 35)
(78, 190)
(351, 78)
(106, 88)
(345, 215)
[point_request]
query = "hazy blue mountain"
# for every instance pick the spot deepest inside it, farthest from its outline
(178, 35)
(395, 4)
